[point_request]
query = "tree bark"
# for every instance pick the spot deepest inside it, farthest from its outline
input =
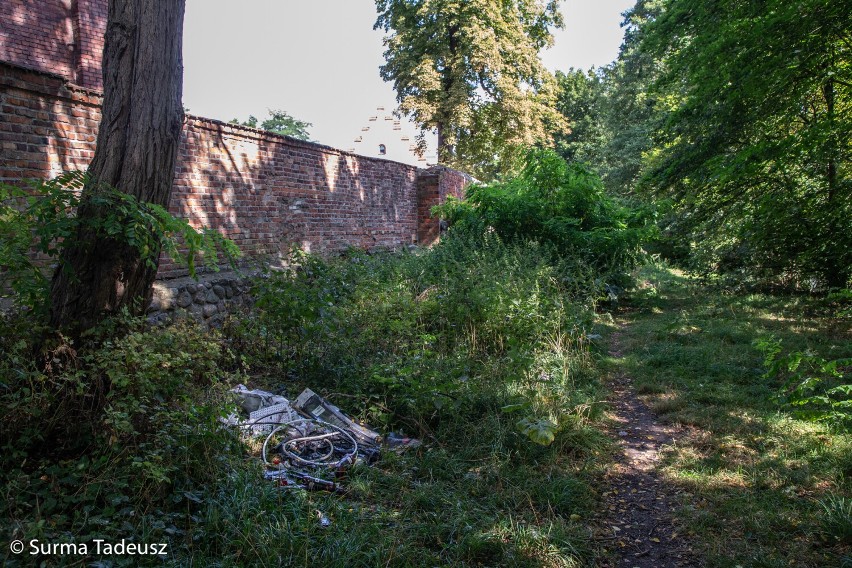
(137, 145)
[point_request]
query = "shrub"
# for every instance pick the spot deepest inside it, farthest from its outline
(116, 440)
(815, 388)
(556, 203)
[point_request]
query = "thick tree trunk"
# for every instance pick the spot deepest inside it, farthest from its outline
(137, 144)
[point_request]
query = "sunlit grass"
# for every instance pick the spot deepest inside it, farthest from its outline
(752, 476)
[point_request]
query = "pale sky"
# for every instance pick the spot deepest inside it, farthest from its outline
(318, 59)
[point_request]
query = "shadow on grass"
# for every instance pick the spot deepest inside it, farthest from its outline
(751, 475)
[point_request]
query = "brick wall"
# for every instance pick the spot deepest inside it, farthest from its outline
(433, 187)
(265, 192)
(91, 27)
(64, 37)
(268, 192)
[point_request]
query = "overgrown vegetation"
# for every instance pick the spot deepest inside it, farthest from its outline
(560, 204)
(738, 114)
(479, 346)
(732, 117)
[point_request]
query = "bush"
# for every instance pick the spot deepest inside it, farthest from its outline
(556, 203)
(813, 387)
(116, 440)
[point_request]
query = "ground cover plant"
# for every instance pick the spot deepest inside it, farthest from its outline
(484, 346)
(762, 483)
(478, 348)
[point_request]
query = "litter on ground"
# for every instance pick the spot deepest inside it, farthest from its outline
(308, 443)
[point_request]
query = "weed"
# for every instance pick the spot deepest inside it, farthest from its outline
(836, 518)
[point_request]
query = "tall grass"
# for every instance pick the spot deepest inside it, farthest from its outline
(476, 346)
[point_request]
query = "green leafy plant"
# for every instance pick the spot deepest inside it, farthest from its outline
(556, 203)
(836, 518)
(37, 223)
(120, 439)
(814, 387)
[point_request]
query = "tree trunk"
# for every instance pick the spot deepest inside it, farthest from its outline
(137, 145)
(836, 269)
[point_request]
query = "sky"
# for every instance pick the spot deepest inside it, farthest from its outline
(319, 60)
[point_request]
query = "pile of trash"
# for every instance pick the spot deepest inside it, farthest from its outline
(308, 443)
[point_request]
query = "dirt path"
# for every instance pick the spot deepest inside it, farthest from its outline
(637, 526)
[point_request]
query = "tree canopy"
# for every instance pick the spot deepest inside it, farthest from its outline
(737, 114)
(756, 145)
(470, 70)
(279, 122)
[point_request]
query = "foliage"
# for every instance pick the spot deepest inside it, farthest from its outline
(837, 518)
(116, 441)
(736, 115)
(471, 70)
(419, 334)
(559, 204)
(476, 346)
(43, 221)
(465, 346)
(816, 388)
(279, 122)
(755, 149)
(629, 107)
(613, 110)
(580, 101)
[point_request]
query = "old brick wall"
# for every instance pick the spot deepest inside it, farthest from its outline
(47, 125)
(433, 187)
(64, 37)
(265, 192)
(268, 192)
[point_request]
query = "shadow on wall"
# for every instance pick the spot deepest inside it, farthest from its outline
(263, 191)
(268, 192)
(42, 35)
(47, 126)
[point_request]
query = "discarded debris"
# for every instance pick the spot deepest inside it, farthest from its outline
(309, 440)
(264, 409)
(317, 407)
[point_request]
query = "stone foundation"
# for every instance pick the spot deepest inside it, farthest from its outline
(207, 300)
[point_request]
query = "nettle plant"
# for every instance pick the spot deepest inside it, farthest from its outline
(38, 222)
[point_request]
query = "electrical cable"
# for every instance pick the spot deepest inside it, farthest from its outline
(325, 460)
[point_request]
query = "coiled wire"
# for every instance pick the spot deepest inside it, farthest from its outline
(289, 446)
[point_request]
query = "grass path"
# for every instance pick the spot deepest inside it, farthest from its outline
(713, 471)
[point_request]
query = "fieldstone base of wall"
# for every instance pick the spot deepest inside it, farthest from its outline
(208, 300)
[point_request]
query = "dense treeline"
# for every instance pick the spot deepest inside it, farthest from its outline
(731, 117)
(738, 115)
